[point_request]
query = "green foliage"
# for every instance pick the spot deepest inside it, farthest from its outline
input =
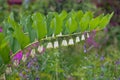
(56, 24)
(4, 50)
(37, 26)
(84, 22)
(105, 20)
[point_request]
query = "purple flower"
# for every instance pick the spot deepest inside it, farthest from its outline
(18, 56)
(102, 58)
(21, 75)
(29, 65)
(90, 41)
(37, 67)
(27, 54)
(85, 50)
(1, 30)
(37, 78)
(34, 59)
(117, 62)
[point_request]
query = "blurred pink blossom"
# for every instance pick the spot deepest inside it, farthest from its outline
(1, 29)
(18, 56)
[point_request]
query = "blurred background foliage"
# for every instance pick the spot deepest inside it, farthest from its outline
(99, 63)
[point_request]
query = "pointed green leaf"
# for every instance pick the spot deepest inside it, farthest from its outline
(84, 22)
(95, 22)
(72, 25)
(56, 24)
(39, 24)
(105, 20)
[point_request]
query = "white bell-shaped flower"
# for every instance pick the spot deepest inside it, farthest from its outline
(8, 70)
(88, 35)
(77, 39)
(83, 37)
(33, 53)
(40, 49)
(2, 77)
(71, 42)
(64, 43)
(49, 45)
(56, 45)
(24, 58)
(16, 63)
(53, 35)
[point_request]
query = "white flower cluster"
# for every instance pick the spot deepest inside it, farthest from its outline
(65, 42)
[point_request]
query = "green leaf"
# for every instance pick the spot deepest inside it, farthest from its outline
(4, 49)
(105, 20)
(95, 22)
(14, 45)
(63, 15)
(79, 15)
(22, 39)
(5, 54)
(56, 24)
(28, 27)
(11, 20)
(72, 25)
(84, 22)
(50, 16)
(39, 24)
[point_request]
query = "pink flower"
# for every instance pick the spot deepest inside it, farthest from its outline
(1, 29)
(18, 56)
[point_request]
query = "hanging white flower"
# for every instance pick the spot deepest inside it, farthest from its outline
(83, 37)
(8, 70)
(88, 35)
(53, 35)
(64, 43)
(56, 45)
(40, 49)
(24, 58)
(71, 42)
(77, 39)
(49, 45)
(33, 53)
(46, 37)
(2, 77)
(16, 63)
